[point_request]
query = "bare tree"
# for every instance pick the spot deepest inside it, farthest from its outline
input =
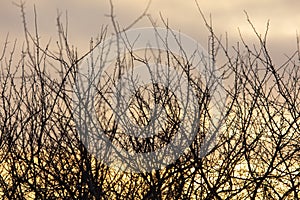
(45, 154)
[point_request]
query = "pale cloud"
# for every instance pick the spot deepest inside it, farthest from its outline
(86, 17)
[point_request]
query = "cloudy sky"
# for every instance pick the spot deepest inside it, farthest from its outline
(87, 16)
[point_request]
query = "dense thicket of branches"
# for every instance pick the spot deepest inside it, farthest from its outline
(42, 157)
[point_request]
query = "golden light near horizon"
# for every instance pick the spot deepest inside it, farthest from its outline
(254, 154)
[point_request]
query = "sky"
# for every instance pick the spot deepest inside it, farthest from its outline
(85, 18)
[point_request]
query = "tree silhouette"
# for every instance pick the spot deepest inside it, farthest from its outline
(43, 155)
